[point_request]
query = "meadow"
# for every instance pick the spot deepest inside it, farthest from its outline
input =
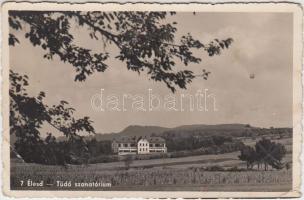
(165, 178)
(217, 172)
(183, 174)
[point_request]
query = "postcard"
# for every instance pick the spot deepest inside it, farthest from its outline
(151, 100)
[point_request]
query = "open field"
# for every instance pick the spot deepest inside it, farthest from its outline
(202, 160)
(223, 160)
(183, 174)
(155, 178)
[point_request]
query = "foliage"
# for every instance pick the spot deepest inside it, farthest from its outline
(97, 148)
(215, 168)
(104, 159)
(150, 177)
(192, 142)
(249, 155)
(270, 153)
(145, 42)
(266, 152)
(51, 152)
(28, 114)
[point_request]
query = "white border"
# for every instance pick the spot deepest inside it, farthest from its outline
(198, 7)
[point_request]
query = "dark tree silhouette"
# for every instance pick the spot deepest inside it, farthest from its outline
(248, 154)
(28, 114)
(145, 42)
(265, 152)
(270, 153)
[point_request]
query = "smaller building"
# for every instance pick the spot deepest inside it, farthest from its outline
(124, 145)
(142, 145)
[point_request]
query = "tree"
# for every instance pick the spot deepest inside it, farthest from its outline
(219, 140)
(28, 114)
(248, 126)
(97, 148)
(145, 42)
(266, 152)
(277, 154)
(269, 153)
(288, 166)
(248, 154)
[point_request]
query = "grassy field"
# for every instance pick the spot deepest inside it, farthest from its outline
(165, 178)
(183, 174)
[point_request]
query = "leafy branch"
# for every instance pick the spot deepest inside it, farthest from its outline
(146, 42)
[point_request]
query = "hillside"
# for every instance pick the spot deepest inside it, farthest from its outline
(142, 130)
(133, 130)
(212, 127)
(136, 130)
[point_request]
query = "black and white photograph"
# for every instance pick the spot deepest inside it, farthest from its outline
(124, 98)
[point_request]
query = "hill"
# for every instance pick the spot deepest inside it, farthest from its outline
(136, 130)
(213, 127)
(133, 130)
(142, 130)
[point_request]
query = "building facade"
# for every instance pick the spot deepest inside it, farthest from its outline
(145, 145)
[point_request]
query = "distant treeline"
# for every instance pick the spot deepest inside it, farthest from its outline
(195, 139)
(179, 144)
(224, 148)
(235, 133)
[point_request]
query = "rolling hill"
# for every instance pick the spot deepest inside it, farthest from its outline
(136, 130)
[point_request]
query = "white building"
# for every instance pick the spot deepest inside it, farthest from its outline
(145, 145)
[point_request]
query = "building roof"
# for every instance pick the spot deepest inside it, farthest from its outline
(125, 140)
(135, 140)
(156, 140)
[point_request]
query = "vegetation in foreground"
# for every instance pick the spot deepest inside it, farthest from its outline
(265, 152)
(154, 177)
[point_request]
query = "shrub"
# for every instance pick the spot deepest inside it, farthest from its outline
(215, 168)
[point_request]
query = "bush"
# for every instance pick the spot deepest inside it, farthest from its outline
(104, 159)
(215, 168)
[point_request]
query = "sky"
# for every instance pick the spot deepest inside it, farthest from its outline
(262, 46)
